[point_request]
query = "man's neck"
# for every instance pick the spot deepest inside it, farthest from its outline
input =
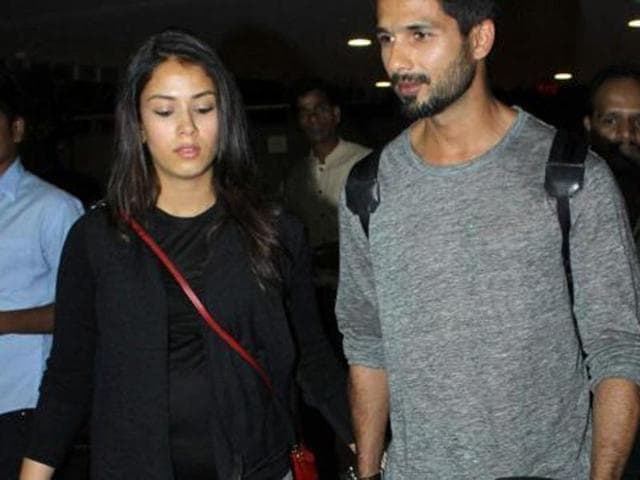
(464, 131)
(4, 165)
(322, 149)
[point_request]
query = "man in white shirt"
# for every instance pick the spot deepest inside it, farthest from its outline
(314, 184)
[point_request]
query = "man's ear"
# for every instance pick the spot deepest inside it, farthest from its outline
(586, 122)
(17, 130)
(337, 113)
(481, 39)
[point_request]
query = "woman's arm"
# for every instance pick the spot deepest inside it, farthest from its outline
(32, 470)
(67, 384)
(321, 376)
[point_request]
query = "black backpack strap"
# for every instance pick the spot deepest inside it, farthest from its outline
(564, 176)
(362, 190)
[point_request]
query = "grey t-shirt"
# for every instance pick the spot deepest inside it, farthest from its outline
(460, 294)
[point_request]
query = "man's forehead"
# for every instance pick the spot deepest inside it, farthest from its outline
(313, 97)
(408, 10)
(619, 94)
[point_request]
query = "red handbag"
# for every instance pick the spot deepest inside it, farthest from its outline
(303, 462)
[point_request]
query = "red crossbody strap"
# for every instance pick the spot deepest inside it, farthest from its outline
(202, 310)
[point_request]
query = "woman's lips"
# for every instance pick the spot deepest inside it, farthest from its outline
(188, 151)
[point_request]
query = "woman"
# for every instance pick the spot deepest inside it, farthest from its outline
(169, 398)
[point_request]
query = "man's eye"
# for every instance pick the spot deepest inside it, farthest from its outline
(609, 120)
(421, 34)
(384, 38)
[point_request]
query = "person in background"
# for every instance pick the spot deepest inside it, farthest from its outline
(613, 128)
(456, 310)
(35, 217)
(170, 400)
(312, 190)
(314, 183)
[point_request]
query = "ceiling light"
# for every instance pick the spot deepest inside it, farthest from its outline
(359, 42)
(563, 76)
(383, 84)
(635, 23)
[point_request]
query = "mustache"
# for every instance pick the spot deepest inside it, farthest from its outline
(410, 77)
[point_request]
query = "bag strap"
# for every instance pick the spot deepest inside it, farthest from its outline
(362, 190)
(197, 303)
(564, 177)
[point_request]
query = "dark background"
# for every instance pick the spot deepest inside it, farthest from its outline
(71, 54)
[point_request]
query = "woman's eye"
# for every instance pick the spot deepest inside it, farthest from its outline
(205, 109)
(163, 113)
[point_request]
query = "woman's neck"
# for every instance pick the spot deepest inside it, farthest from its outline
(183, 200)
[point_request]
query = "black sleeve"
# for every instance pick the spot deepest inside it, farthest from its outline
(322, 378)
(66, 387)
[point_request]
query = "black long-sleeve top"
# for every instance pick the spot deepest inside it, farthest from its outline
(110, 353)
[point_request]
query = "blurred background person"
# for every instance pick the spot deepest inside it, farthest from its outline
(613, 128)
(35, 217)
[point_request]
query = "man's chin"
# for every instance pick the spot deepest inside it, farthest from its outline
(631, 152)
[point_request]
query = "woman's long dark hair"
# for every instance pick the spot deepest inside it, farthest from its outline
(133, 185)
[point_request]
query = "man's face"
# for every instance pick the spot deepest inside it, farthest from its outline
(424, 54)
(10, 135)
(317, 117)
(614, 126)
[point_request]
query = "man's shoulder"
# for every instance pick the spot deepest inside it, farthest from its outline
(355, 148)
(41, 192)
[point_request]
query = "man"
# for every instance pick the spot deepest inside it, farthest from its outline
(315, 183)
(455, 310)
(613, 126)
(34, 220)
(312, 191)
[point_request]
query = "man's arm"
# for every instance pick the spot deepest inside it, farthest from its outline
(369, 397)
(616, 412)
(28, 320)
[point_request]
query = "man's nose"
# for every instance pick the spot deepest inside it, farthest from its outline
(398, 58)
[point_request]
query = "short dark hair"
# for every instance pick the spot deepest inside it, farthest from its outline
(469, 13)
(11, 95)
(311, 84)
(613, 72)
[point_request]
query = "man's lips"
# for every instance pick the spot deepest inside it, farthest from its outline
(408, 89)
(408, 85)
(188, 151)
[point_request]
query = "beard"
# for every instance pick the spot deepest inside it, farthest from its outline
(454, 83)
(619, 155)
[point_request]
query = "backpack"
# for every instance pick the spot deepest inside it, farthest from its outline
(564, 176)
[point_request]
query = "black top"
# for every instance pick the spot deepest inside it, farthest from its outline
(191, 416)
(111, 345)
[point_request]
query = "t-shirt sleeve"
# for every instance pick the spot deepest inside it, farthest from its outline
(356, 304)
(606, 277)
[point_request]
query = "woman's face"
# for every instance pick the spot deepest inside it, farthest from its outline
(179, 122)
